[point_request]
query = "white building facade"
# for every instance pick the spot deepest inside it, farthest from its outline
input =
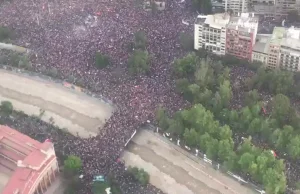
(237, 6)
(210, 33)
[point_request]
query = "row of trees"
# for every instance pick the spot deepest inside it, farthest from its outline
(250, 119)
(199, 129)
(275, 81)
(206, 81)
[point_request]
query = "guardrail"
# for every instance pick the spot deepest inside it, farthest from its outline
(195, 155)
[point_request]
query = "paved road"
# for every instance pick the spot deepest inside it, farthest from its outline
(173, 172)
(70, 109)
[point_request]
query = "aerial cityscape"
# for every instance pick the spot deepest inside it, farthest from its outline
(149, 97)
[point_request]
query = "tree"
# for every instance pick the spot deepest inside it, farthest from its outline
(162, 118)
(182, 85)
(190, 137)
(281, 108)
(225, 149)
(5, 33)
(224, 75)
(139, 62)
(212, 149)
(281, 138)
(72, 165)
(225, 133)
(101, 60)
(185, 66)
(252, 97)
(175, 127)
(225, 93)
(205, 97)
(140, 40)
(204, 74)
(246, 160)
(280, 81)
(217, 103)
(204, 141)
(6, 107)
(293, 147)
(274, 182)
(139, 175)
(186, 41)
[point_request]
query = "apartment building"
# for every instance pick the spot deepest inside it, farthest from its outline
(283, 7)
(265, 8)
(210, 32)
(241, 35)
(282, 49)
(236, 6)
(259, 51)
(27, 166)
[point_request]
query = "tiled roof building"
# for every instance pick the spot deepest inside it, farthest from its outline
(26, 165)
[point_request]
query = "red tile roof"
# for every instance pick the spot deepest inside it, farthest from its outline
(28, 156)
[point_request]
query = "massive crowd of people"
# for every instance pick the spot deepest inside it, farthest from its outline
(66, 34)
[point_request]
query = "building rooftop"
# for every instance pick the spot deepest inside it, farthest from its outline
(244, 22)
(262, 42)
(23, 158)
(219, 20)
(289, 37)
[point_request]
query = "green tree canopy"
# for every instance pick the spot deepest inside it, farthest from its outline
(6, 107)
(139, 62)
(186, 65)
(252, 98)
(139, 175)
(140, 40)
(5, 33)
(72, 165)
(281, 107)
(101, 60)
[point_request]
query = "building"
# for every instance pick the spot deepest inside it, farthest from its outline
(27, 166)
(236, 6)
(259, 51)
(282, 49)
(283, 7)
(265, 8)
(210, 33)
(241, 35)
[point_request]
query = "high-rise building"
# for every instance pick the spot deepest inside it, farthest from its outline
(210, 33)
(27, 166)
(282, 49)
(240, 35)
(236, 6)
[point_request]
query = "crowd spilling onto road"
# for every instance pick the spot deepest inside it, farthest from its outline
(66, 34)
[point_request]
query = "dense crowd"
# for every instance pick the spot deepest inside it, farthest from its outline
(66, 34)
